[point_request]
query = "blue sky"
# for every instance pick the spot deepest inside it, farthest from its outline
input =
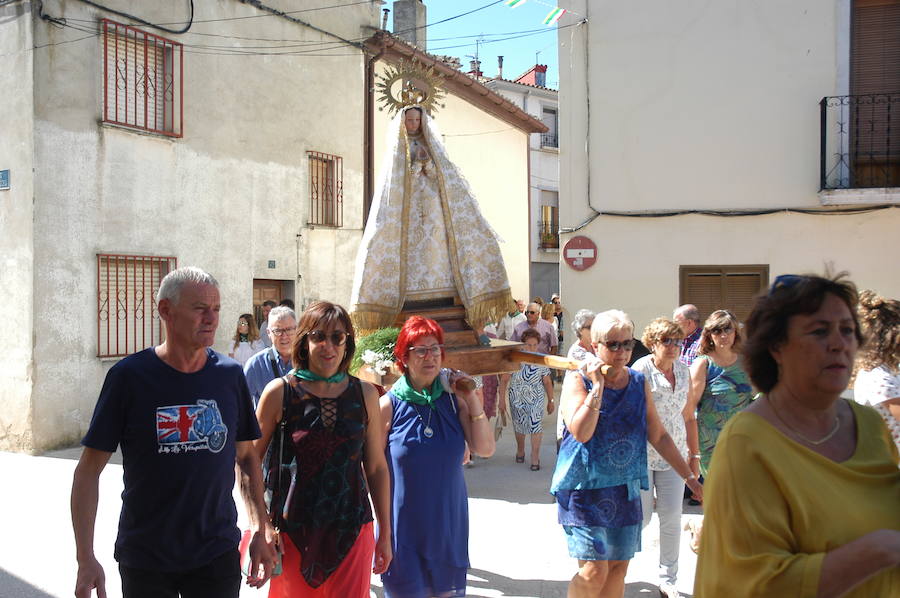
(458, 36)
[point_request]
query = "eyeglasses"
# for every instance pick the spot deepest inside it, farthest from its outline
(532, 312)
(668, 342)
(280, 331)
(721, 330)
(337, 338)
(422, 352)
(616, 345)
(786, 281)
(243, 323)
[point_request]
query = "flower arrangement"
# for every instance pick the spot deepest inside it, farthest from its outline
(376, 350)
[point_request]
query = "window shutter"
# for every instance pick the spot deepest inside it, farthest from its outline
(875, 53)
(722, 287)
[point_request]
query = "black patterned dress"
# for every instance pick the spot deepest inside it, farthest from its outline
(324, 485)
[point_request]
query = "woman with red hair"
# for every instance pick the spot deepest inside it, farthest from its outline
(429, 418)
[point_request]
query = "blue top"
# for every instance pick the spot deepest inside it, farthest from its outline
(429, 504)
(612, 465)
(259, 372)
(178, 434)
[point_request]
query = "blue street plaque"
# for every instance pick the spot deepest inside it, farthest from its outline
(272, 264)
(4, 180)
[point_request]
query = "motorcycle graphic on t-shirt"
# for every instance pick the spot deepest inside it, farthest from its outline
(184, 428)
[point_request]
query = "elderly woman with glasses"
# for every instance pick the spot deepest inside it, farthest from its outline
(429, 416)
(670, 382)
(720, 386)
(803, 496)
(331, 454)
(610, 416)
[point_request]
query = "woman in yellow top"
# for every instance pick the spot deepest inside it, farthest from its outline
(803, 493)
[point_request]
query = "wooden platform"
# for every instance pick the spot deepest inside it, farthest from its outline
(450, 315)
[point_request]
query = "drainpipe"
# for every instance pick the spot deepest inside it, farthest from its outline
(369, 133)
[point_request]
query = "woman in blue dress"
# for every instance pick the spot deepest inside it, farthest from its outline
(428, 425)
(602, 465)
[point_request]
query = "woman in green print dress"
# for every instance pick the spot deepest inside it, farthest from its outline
(719, 385)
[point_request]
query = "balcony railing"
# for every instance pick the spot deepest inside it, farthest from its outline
(549, 140)
(548, 237)
(860, 141)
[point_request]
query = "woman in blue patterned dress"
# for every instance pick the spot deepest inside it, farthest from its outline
(602, 465)
(428, 427)
(527, 390)
(719, 385)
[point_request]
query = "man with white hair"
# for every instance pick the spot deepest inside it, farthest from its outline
(533, 319)
(688, 317)
(182, 415)
(275, 361)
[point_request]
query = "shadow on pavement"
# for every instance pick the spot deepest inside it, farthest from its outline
(514, 587)
(13, 587)
(74, 453)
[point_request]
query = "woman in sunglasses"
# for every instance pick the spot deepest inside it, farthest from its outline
(429, 418)
(331, 455)
(719, 385)
(602, 465)
(803, 496)
(670, 382)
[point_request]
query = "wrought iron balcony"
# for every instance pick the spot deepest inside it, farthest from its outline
(549, 140)
(859, 141)
(548, 237)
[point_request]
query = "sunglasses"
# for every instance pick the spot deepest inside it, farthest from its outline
(532, 312)
(786, 281)
(721, 330)
(280, 331)
(243, 323)
(422, 352)
(337, 338)
(668, 342)
(616, 345)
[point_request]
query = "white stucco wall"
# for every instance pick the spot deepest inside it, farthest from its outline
(16, 227)
(700, 105)
(493, 156)
(230, 195)
(645, 283)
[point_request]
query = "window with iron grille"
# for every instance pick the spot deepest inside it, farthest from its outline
(143, 78)
(326, 189)
(127, 317)
(548, 225)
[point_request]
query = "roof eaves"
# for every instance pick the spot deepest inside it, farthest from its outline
(393, 49)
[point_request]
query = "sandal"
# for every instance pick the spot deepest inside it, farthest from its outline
(520, 459)
(535, 466)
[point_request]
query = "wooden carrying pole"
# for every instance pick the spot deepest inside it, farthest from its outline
(551, 361)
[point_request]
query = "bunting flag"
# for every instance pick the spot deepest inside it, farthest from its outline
(554, 15)
(514, 3)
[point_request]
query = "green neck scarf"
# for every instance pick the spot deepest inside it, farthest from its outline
(245, 338)
(427, 396)
(311, 377)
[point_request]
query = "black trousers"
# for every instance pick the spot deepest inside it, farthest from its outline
(220, 578)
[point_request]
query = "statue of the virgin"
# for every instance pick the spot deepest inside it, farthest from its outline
(425, 238)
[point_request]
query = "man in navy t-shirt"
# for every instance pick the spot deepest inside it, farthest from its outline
(182, 414)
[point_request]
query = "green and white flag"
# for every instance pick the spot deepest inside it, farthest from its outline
(554, 15)
(514, 3)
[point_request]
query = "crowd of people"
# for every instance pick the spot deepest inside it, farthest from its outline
(800, 488)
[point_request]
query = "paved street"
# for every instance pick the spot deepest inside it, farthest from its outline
(516, 546)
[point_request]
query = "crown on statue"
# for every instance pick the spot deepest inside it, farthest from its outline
(410, 83)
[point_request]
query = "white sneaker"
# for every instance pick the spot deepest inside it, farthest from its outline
(668, 590)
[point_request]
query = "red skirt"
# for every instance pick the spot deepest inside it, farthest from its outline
(350, 580)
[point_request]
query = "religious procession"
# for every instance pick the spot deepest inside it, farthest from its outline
(718, 364)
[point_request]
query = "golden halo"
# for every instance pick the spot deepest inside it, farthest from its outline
(410, 83)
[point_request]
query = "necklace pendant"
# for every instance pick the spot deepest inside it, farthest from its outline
(428, 432)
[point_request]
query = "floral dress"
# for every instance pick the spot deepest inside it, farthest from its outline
(526, 398)
(727, 391)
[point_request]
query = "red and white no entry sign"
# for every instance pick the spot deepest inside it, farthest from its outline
(580, 253)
